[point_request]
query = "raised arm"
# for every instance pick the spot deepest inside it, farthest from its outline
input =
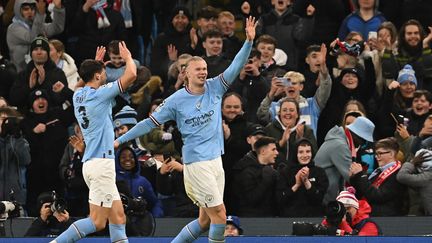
(240, 59)
(130, 73)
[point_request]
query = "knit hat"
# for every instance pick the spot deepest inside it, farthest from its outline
(208, 12)
(427, 164)
(40, 41)
(38, 93)
(354, 71)
(407, 74)
(348, 198)
(234, 220)
(126, 116)
(44, 197)
(181, 10)
(363, 128)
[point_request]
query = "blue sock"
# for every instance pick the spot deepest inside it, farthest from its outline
(118, 233)
(189, 233)
(216, 233)
(79, 229)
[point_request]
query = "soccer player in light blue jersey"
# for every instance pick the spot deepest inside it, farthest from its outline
(197, 111)
(93, 105)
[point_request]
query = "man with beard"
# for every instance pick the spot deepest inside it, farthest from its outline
(171, 43)
(29, 22)
(40, 73)
(413, 49)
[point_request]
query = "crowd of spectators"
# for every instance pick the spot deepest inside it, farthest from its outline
(336, 93)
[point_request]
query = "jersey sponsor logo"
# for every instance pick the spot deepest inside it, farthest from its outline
(201, 119)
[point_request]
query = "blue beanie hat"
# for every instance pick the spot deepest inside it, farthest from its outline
(407, 74)
(126, 116)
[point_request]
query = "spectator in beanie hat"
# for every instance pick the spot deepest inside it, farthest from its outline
(124, 120)
(40, 73)
(357, 220)
(171, 43)
(232, 227)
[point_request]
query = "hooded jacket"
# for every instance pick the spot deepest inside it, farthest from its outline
(14, 157)
(21, 32)
(276, 130)
(303, 202)
(139, 185)
(334, 156)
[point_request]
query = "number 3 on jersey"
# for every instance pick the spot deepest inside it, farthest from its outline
(85, 121)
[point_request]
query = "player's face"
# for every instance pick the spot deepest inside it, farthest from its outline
(127, 160)
(231, 107)
(196, 72)
(101, 77)
(304, 154)
(40, 105)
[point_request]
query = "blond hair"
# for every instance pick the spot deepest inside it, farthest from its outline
(295, 76)
(226, 14)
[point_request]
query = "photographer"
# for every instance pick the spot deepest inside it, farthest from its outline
(14, 156)
(356, 220)
(52, 220)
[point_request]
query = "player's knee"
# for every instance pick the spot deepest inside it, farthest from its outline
(100, 224)
(204, 223)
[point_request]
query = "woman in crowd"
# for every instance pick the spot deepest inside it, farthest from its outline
(287, 128)
(64, 62)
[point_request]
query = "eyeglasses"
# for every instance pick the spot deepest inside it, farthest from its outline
(379, 154)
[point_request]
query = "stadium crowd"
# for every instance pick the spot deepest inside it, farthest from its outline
(336, 94)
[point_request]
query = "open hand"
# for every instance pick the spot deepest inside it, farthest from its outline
(100, 53)
(251, 25)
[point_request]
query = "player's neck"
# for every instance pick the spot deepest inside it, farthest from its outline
(196, 89)
(93, 84)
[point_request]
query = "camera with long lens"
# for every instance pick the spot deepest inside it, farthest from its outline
(133, 206)
(9, 209)
(334, 213)
(58, 204)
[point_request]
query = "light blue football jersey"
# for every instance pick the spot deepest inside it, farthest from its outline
(198, 116)
(93, 108)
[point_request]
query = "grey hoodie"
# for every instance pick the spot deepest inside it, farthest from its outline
(21, 33)
(334, 156)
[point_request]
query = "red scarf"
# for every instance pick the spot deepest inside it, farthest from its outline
(385, 174)
(351, 143)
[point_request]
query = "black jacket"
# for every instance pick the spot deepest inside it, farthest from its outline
(253, 187)
(52, 227)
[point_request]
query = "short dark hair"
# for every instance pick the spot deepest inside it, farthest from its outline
(89, 68)
(388, 143)
(212, 34)
(419, 93)
(263, 141)
(266, 39)
(255, 53)
(312, 48)
(113, 47)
